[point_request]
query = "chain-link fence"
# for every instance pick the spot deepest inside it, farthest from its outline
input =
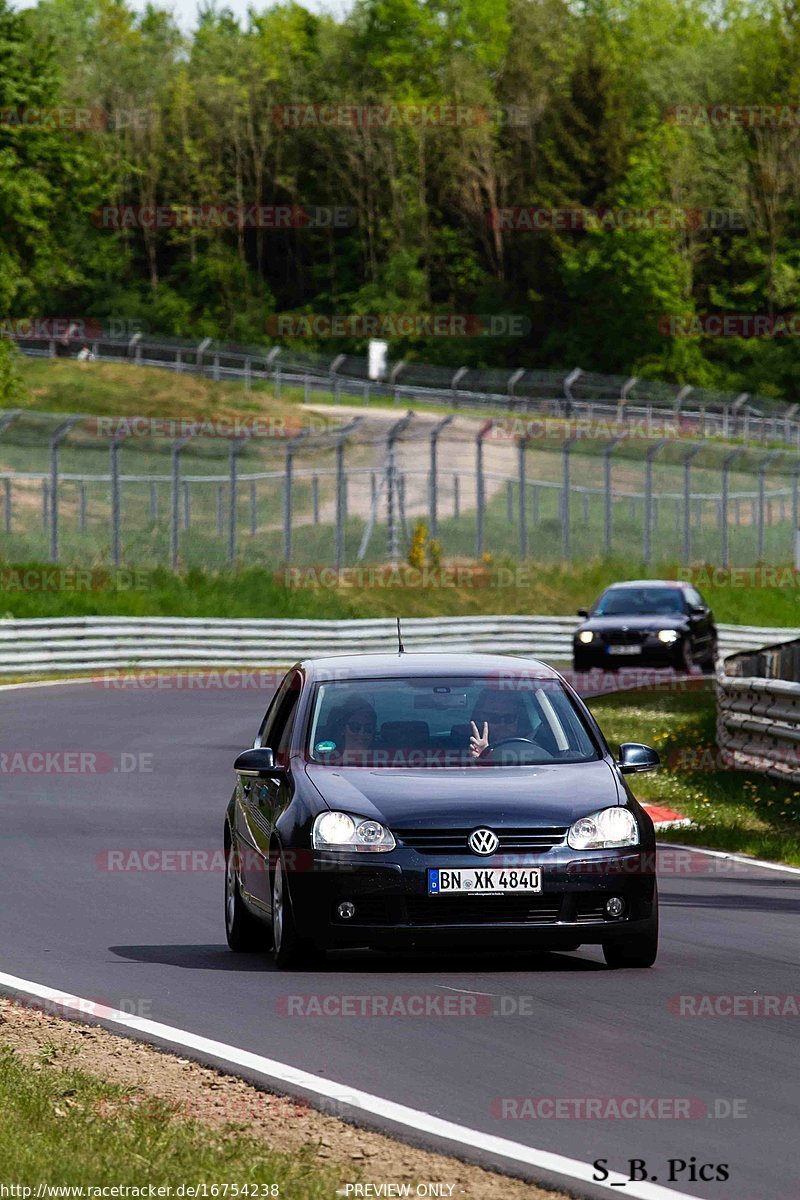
(344, 486)
(575, 393)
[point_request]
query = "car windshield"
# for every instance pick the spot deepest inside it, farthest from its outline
(426, 722)
(634, 602)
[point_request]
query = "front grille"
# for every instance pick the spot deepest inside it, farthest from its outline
(454, 841)
(631, 637)
(484, 910)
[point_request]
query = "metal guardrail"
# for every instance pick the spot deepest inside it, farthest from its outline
(758, 710)
(79, 644)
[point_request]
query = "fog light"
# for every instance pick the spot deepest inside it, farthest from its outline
(346, 910)
(615, 906)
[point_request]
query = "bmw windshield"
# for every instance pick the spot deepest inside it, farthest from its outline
(432, 722)
(639, 602)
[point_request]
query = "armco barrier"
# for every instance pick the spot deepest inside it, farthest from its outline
(758, 709)
(75, 644)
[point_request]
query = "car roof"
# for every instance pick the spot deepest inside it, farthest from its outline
(669, 583)
(415, 663)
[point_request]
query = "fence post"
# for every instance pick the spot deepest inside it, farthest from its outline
(391, 483)
(253, 508)
(687, 514)
(727, 462)
(291, 446)
(522, 446)
(566, 540)
(56, 438)
(607, 452)
(341, 490)
(433, 491)
(115, 497)
(220, 521)
(648, 498)
(480, 495)
(174, 539)
(766, 460)
(315, 498)
(5, 421)
(795, 503)
(237, 445)
(456, 497)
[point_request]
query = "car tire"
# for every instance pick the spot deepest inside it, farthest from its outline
(243, 932)
(638, 951)
(288, 948)
(684, 663)
(709, 663)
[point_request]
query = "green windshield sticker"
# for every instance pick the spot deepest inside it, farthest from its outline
(325, 747)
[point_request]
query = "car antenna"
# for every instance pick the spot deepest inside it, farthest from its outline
(400, 647)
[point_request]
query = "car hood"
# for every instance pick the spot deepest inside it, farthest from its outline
(554, 794)
(611, 624)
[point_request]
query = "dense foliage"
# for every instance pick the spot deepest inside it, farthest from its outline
(585, 92)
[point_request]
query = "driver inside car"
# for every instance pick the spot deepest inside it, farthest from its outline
(497, 715)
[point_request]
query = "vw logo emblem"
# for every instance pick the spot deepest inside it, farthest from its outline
(483, 841)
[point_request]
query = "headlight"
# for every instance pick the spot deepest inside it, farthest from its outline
(604, 830)
(340, 831)
(668, 636)
(586, 636)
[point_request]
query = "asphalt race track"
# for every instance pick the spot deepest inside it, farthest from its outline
(558, 1025)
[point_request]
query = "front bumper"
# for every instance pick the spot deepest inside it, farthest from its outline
(393, 908)
(651, 653)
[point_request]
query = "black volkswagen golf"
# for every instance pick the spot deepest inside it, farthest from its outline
(437, 800)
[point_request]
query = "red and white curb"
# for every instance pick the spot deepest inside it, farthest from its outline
(666, 818)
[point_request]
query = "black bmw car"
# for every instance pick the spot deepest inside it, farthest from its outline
(434, 800)
(646, 622)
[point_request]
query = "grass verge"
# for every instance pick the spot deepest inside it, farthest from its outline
(83, 1106)
(732, 810)
(492, 588)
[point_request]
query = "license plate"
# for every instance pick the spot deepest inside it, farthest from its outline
(443, 881)
(624, 649)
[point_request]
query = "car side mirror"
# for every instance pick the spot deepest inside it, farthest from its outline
(634, 758)
(583, 612)
(258, 763)
(697, 610)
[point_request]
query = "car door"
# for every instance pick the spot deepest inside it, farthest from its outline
(262, 800)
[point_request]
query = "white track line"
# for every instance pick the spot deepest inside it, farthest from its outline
(354, 1099)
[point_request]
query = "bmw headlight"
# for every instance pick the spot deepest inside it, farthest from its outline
(604, 830)
(668, 636)
(586, 636)
(340, 831)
